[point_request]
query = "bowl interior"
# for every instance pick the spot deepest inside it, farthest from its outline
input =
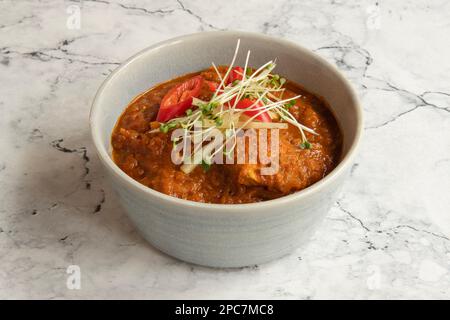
(191, 53)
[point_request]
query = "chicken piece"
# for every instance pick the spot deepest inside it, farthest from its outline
(297, 168)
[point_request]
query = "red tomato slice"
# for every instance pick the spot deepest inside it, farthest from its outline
(179, 99)
(247, 103)
(235, 74)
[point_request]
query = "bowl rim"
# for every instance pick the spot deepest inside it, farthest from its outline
(273, 203)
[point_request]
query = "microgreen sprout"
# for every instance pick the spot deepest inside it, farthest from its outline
(165, 127)
(270, 66)
(305, 145)
(207, 108)
(205, 165)
(290, 104)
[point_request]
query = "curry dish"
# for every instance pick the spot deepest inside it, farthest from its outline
(309, 137)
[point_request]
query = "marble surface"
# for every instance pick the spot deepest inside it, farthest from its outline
(388, 236)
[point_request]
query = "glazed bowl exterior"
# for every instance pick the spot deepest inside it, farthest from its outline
(220, 235)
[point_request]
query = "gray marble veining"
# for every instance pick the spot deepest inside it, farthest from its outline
(388, 236)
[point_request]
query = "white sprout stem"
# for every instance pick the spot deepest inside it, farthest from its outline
(228, 95)
(217, 71)
(229, 69)
(242, 87)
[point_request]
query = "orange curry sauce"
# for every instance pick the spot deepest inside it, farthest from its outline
(146, 157)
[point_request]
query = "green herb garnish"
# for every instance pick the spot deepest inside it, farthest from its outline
(291, 103)
(275, 80)
(270, 66)
(165, 127)
(205, 165)
(207, 108)
(305, 145)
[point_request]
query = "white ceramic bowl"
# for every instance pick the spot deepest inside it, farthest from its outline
(215, 234)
